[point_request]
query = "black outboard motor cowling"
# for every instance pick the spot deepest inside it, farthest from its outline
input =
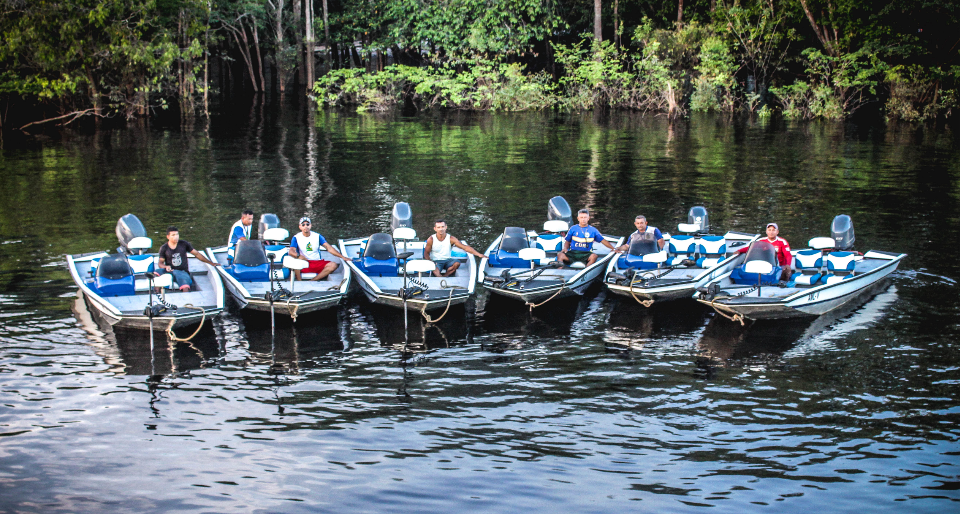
(559, 209)
(267, 220)
(841, 230)
(402, 216)
(129, 227)
(698, 216)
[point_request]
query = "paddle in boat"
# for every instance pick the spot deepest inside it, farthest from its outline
(258, 274)
(522, 264)
(391, 269)
(650, 274)
(828, 274)
(122, 288)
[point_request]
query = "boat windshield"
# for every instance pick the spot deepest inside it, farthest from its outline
(762, 251)
(114, 267)
(643, 245)
(380, 247)
(514, 239)
(250, 252)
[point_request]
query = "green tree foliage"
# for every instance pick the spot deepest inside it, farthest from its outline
(108, 55)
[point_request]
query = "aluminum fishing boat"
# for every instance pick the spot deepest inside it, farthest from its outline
(122, 287)
(650, 274)
(258, 274)
(522, 264)
(828, 275)
(389, 268)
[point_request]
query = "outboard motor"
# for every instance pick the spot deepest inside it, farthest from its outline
(267, 220)
(698, 216)
(402, 216)
(842, 232)
(559, 209)
(129, 227)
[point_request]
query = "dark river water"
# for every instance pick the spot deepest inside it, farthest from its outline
(591, 405)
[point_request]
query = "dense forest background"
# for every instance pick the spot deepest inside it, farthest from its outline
(65, 59)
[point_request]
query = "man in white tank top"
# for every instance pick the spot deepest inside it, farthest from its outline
(438, 249)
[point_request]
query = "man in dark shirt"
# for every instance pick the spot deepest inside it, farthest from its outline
(173, 258)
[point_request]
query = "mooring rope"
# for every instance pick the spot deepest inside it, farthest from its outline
(173, 336)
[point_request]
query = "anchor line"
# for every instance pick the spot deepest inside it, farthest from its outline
(173, 336)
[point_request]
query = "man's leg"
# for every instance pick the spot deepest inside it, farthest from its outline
(592, 259)
(329, 268)
(451, 269)
(562, 258)
(183, 279)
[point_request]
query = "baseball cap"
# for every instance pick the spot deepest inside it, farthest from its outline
(305, 218)
(774, 225)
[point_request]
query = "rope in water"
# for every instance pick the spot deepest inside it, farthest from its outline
(173, 336)
(534, 306)
(645, 303)
(735, 317)
(423, 312)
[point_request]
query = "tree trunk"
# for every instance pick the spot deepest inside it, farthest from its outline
(679, 14)
(309, 43)
(326, 29)
(616, 19)
(256, 46)
(297, 4)
(828, 40)
(597, 25)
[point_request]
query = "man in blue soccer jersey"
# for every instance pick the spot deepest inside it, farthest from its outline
(578, 245)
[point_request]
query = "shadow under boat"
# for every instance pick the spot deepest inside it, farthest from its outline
(421, 335)
(766, 342)
(290, 345)
(498, 315)
(133, 351)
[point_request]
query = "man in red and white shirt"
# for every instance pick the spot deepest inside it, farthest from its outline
(784, 257)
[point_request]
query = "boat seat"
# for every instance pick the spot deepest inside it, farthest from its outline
(141, 264)
(278, 252)
(809, 264)
(840, 266)
(508, 254)
(114, 277)
(712, 250)
(250, 263)
(550, 242)
(740, 276)
(380, 256)
(681, 247)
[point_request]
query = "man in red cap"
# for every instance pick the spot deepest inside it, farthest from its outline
(784, 257)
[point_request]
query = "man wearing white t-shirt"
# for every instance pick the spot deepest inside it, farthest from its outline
(438, 248)
(306, 246)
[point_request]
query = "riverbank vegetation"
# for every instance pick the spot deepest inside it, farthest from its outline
(802, 58)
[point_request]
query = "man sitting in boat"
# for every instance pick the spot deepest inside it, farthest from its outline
(784, 257)
(643, 230)
(173, 258)
(438, 248)
(578, 245)
(306, 246)
(240, 230)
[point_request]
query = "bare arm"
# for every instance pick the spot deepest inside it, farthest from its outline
(463, 247)
(427, 248)
(200, 256)
(333, 251)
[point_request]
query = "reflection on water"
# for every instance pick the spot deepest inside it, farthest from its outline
(591, 403)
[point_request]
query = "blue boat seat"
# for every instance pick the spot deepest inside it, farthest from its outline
(809, 264)
(507, 254)
(681, 247)
(840, 266)
(250, 263)
(712, 250)
(114, 277)
(635, 261)
(141, 264)
(380, 256)
(550, 242)
(278, 252)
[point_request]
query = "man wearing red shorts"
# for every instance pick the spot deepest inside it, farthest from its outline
(306, 245)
